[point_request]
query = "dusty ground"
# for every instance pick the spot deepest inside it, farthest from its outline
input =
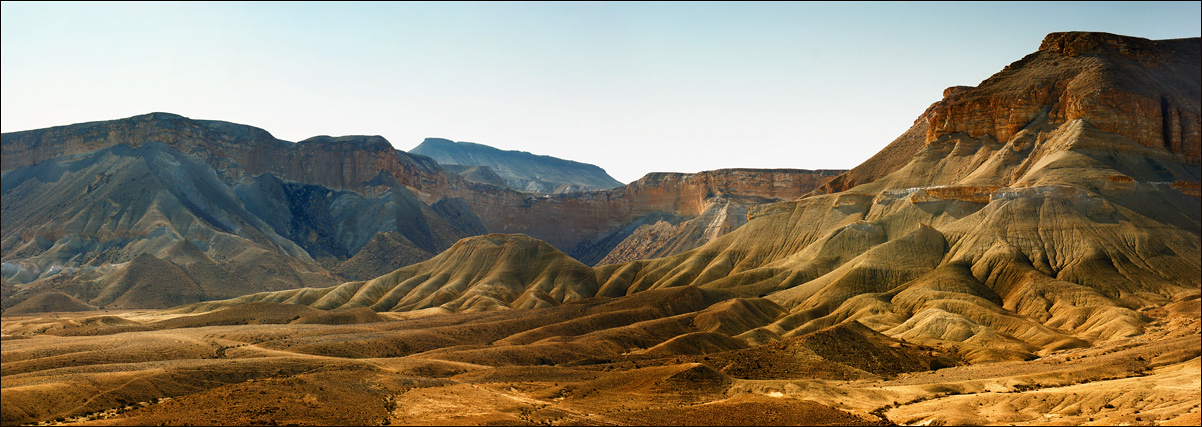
(125, 368)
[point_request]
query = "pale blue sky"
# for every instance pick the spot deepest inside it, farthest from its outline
(630, 87)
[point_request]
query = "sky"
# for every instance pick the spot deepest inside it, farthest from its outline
(630, 87)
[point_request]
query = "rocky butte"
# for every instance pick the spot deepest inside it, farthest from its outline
(1138, 88)
(1030, 252)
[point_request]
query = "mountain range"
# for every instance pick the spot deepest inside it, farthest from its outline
(1029, 251)
(227, 209)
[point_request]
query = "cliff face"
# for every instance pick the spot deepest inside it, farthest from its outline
(1144, 90)
(365, 164)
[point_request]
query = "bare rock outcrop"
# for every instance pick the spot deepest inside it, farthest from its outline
(1145, 90)
(1138, 88)
(233, 197)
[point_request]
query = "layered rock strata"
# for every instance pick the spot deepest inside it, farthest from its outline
(1145, 90)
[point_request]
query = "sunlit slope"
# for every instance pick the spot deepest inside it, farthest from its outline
(1055, 237)
(1067, 252)
(477, 273)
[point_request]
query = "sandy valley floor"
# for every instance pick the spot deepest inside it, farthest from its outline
(110, 368)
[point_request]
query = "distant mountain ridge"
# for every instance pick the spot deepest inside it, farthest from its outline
(107, 212)
(522, 171)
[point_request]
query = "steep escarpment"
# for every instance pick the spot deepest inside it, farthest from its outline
(1002, 233)
(79, 224)
(1144, 90)
(520, 170)
(660, 214)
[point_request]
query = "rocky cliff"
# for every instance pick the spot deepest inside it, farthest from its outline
(1145, 90)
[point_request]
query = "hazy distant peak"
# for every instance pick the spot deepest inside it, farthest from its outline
(520, 170)
(364, 141)
(444, 143)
